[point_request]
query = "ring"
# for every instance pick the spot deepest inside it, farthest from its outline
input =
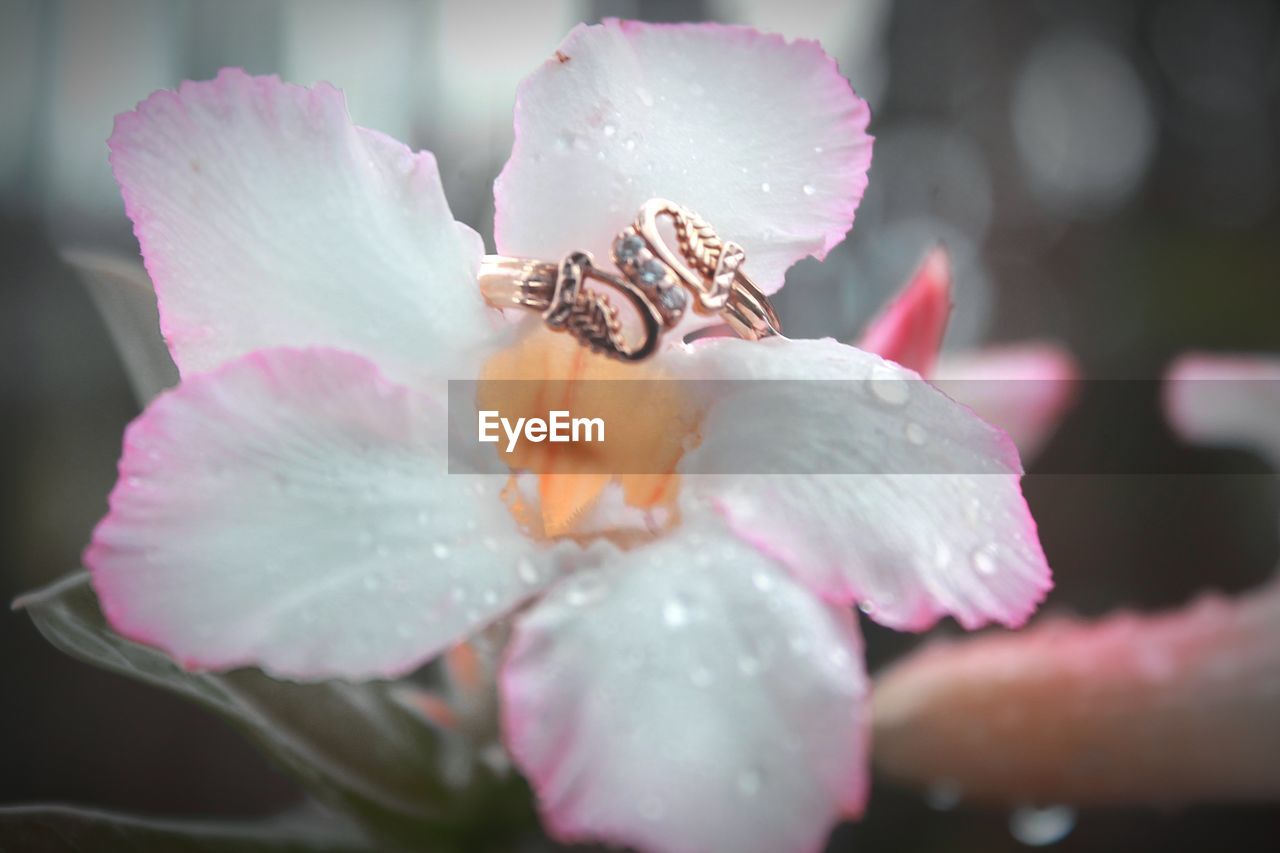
(702, 273)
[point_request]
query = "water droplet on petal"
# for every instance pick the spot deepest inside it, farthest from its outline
(808, 189)
(750, 782)
(527, 571)
(701, 676)
(645, 96)
(584, 590)
(917, 434)
(984, 560)
(888, 387)
(675, 613)
(749, 665)
(489, 543)
(866, 607)
(441, 551)
(764, 188)
(763, 581)
(1037, 827)
(610, 130)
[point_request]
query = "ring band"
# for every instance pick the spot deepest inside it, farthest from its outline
(657, 281)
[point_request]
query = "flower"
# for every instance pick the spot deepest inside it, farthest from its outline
(1169, 708)
(1023, 388)
(289, 505)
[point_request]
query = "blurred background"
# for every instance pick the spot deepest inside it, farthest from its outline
(1105, 174)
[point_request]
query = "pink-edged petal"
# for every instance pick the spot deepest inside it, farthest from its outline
(1023, 388)
(266, 218)
(294, 509)
(880, 490)
(1226, 400)
(690, 696)
(1161, 709)
(759, 135)
(910, 329)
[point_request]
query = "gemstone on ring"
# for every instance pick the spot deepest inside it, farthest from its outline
(673, 298)
(628, 248)
(652, 271)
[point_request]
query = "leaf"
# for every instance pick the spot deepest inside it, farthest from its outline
(352, 745)
(69, 828)
(124, 296)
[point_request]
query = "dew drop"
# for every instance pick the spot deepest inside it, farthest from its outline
(808, 189)
(441, 551)
(646, 97)
(1037, 827)
(749, 782)
(489, 543)
(527, 571)
(490, 597)
(764, 188)
(610, 130)
(584, 590)
(749, 665)
(763, 581)
(701, 676)
(888, 387)
(984, 560)
(675, 613)
(866, 607)
(916, 434)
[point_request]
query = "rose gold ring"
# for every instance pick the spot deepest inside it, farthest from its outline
(660, 283)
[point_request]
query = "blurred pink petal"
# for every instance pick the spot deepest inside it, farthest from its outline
(267, 219)
(886, 493)
(910, 329)
(1163, 709)
(1023, 388)
(689, 696)
(1226, 400)
(761, 136)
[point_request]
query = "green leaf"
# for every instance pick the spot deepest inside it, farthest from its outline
(351, 745)
(67, 828)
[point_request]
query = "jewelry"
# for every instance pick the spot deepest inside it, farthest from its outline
(654, 279)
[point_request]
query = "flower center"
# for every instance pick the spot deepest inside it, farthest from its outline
(646, 424)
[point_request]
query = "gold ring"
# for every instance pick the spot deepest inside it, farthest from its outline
(702, 272)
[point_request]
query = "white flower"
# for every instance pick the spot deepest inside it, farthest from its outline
(288, 504)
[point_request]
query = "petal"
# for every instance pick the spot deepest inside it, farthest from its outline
(690, 697)
(910, 329)
(1130, 710)
(293, 509)
(759, 135)
(1226, 400)
(1023, 388)
(882, 491)
(267, 219)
